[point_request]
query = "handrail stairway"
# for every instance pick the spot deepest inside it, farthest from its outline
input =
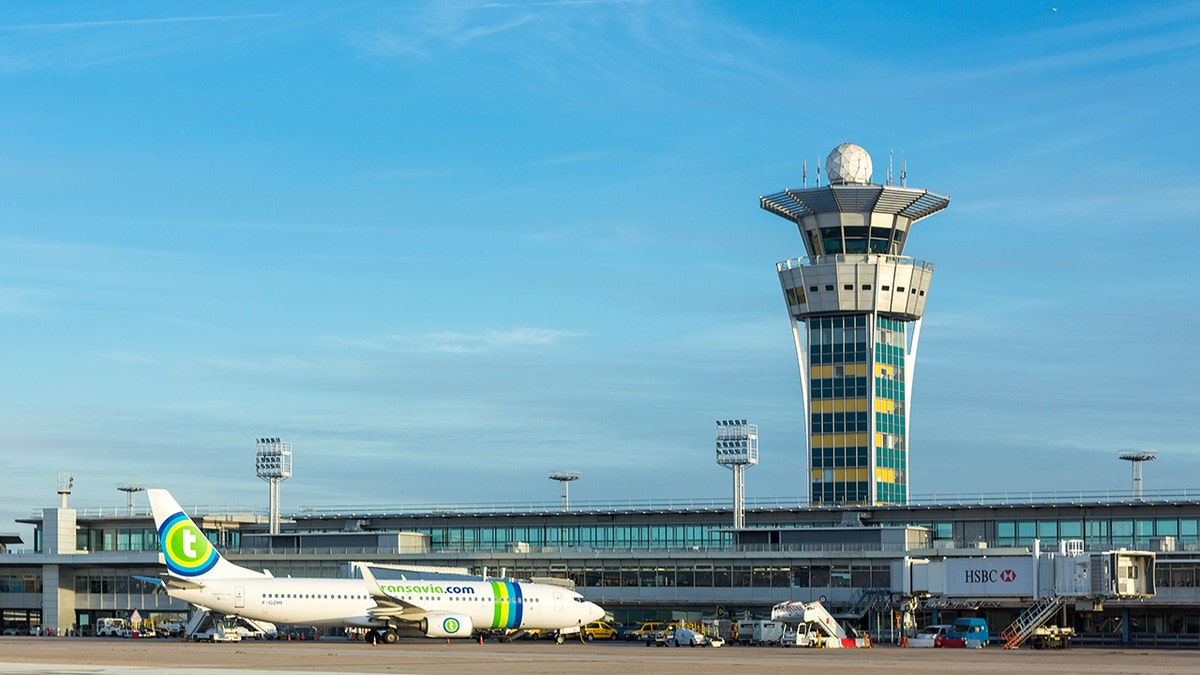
(1034, 617)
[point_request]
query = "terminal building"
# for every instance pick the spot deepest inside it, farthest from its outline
(860, 543)
(645, 561)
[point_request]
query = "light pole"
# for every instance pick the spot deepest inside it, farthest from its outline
(131, 489)
(737, 448)
(273, 463)
(565, 478)
(1136, 457)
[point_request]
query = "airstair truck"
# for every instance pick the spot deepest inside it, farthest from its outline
(810, 624)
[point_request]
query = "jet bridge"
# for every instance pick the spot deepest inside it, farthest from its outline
(1069, 572)
(1043, 581)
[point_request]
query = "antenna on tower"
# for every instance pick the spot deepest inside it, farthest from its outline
(131, 489)
(1136, 457)
(890, 181)
(737, 448)
(806, 173)
(565, 477)
(903, 170)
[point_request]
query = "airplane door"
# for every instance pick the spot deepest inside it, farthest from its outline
(239, 597)
(558, 603)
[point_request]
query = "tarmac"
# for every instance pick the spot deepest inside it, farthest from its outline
(109, 656)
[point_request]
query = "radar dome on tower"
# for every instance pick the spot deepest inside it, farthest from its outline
(848, 164)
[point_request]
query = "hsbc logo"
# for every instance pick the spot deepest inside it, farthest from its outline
(989, 576)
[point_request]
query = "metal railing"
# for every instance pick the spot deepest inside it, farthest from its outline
(871, 258)
(1072, 497)
(957, 498)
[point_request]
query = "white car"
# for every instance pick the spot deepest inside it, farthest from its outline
(930, 636)
(689, 638)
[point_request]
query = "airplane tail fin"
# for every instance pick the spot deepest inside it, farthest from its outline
(186, 551)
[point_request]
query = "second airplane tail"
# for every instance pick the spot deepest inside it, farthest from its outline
(186, 551)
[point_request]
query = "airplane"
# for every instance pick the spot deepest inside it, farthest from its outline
(198, 574)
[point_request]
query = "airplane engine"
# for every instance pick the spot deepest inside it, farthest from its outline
(447, 626)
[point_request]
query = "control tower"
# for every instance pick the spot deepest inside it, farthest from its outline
(855, 303)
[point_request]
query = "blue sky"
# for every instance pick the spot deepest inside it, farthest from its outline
(446, 248)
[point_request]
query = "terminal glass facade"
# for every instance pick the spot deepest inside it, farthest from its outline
(839, 431)
(891, 421)
(857, 424)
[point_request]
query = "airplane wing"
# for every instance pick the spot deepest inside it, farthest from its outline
(387, 606)
(171, 582)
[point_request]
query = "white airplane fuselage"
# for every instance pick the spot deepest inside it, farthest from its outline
(346, 602)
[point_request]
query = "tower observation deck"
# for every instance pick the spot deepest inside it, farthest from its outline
(855, 303)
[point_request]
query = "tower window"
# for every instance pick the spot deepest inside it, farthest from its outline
(813, 289)
(885, 288)
(848, 287)
(867, 287)
(829, 287)
(899, 289)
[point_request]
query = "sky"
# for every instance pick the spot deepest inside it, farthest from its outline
(445, 248)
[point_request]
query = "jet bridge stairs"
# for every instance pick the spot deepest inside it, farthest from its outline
(1033, 618)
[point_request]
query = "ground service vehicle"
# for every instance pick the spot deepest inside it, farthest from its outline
(218, 633)
(111, 627)
(1052, 637)
(767, 633)
(599, 630)
(963, 631)
(646, 631)
(799, 635)
(299, 633)
(685, 637)
(930, 636)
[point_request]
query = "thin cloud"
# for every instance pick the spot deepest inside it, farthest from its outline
(516, 337)
(75, 25)
(278, 365)
(130, 358)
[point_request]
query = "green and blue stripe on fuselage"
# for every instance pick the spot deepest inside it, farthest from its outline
(509, 605)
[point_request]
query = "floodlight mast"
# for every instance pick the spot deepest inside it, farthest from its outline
(66, 481)
(131, 489)
(273, 463)
(1136, 457)
(564, 478)
(737, 448)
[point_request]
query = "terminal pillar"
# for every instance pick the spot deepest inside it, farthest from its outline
(58, 598)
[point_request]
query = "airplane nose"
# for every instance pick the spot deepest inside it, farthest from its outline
(596, 612)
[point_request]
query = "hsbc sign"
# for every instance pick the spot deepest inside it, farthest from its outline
(1002, 576)
(989, 576)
